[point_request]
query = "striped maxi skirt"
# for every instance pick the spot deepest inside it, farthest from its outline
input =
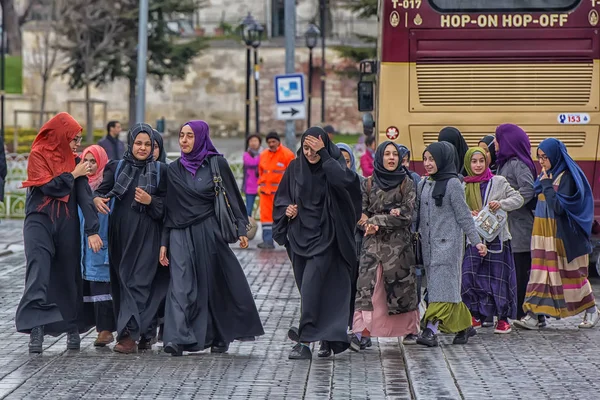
(557, 288)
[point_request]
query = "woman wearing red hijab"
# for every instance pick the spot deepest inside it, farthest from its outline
(57, 183)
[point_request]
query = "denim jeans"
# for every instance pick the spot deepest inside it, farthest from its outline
(250, 203)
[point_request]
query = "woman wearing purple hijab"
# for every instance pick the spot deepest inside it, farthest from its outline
(513, 151)
(209, 303)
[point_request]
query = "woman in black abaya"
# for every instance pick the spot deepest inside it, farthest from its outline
(138, 185)
(209, 303)
(316, 209)
(453, 136)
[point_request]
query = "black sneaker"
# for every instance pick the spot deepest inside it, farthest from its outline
(428, 338)
(300, 352)
(462, 337)
(36, 340)
(73, 341)
(365, 342)
(293, 334)
(324, 349)
(266, 246)
(354, 342)
(173, 349)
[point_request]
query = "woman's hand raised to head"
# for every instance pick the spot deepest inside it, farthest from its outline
(314, 143)
(82, 169)
(101, 205)
(545, 175)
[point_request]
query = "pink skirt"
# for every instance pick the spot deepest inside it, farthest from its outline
(378, 322)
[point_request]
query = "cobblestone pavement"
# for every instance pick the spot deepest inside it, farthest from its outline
(558, 362)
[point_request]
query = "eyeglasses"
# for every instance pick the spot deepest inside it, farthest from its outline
(77, 139)
(543, 157)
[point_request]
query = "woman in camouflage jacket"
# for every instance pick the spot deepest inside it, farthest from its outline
(386, 299)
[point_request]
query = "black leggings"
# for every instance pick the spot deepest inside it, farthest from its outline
(522, 267)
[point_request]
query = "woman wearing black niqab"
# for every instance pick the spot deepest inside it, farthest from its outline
(316, 209)
(453, 136)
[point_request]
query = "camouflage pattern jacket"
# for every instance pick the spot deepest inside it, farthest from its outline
(391, 246)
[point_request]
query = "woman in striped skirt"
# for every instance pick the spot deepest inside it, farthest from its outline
(560, 244)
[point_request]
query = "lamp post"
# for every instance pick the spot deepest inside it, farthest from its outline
(311, 36)
(256, 45)
(2, 73)
(250, 34)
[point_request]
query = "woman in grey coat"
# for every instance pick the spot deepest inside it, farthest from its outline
(444, 218)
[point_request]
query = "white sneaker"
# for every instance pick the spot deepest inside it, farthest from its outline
(590, 320)
(527, 322)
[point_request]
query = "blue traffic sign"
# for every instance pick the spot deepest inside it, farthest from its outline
(289, 89)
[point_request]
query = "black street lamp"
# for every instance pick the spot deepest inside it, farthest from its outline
(311, 35)
(256, 45)
(250, 36)
(323, 11)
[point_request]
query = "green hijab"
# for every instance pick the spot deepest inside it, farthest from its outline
(473, 182)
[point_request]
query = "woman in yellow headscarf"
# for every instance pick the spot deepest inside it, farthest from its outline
(489, 283)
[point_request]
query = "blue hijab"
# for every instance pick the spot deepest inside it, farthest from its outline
(348, 149)
(579, 206)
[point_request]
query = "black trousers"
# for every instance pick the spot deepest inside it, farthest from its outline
(522, 267)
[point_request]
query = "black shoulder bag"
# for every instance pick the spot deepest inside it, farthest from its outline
(223, 211)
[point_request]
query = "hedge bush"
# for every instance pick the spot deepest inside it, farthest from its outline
(27, 136)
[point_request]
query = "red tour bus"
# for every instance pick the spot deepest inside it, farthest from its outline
(475, 64)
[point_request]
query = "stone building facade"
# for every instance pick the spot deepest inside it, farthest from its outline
(215, 85)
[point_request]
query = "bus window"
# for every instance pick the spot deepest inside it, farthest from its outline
(447, 6)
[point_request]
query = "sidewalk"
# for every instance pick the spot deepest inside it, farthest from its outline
(559, 362)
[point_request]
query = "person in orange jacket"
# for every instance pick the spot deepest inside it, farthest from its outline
(273, 163)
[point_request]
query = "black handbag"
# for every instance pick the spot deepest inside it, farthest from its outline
(223, 211)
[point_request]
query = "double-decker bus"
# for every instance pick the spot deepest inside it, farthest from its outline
(475, 64)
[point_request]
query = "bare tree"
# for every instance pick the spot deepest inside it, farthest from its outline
(88, 31)
(44, 56)
(15, 20)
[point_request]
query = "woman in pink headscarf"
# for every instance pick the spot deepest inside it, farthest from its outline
(95, 268)
(209, 303)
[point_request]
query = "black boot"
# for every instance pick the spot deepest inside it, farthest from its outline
(145, 343)
(36, 339)
(300, 352)
(173, 349)
(219, 347)
(462, 337)
(324, 349)
(73, 341)
(428, 338)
